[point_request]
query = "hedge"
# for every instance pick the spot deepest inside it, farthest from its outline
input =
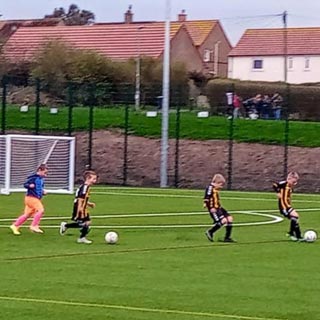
(301, 100)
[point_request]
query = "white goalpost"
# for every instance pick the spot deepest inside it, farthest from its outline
(20, 155)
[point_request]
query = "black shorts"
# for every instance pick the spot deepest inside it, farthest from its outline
(82, 221)
(286, 211)
(219, 214)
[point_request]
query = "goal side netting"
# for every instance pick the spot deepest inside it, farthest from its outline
(20, 155)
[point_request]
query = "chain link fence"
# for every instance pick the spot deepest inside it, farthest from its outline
(122, 141)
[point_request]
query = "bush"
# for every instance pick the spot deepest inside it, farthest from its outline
(109, 81)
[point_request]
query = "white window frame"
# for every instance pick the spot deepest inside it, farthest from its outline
(207, 55)
(254, 60)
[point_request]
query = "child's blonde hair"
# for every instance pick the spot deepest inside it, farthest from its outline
(218, 178)
(293, 175)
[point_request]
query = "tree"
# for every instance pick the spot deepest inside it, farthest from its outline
(74, 16)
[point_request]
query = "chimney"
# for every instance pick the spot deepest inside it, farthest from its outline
(128, 16)
(182, 16)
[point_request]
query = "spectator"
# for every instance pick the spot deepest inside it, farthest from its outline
(258, 102)
(266, 107)
(236, 106)
(277, 102)
(248, 106)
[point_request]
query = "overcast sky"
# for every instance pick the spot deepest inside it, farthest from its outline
(235, 15)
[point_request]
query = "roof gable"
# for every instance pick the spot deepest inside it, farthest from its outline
(198, 29)
(266, 42)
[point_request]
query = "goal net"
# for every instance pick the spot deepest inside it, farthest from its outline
(20, 155)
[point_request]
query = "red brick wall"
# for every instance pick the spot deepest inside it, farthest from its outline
(182, 49)
(216, 35)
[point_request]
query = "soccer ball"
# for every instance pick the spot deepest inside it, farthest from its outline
(111, 237)
(310, 236)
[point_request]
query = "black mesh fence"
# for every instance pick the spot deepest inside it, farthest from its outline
(120, 136)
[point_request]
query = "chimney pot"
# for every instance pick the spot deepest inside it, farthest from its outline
(128, 16)
(182, 16)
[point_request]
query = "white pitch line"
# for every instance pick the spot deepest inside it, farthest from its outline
(274, 219)
(162, 195)
(157, 189)
(133, 308)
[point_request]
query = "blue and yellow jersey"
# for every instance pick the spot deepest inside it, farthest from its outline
(37, 191)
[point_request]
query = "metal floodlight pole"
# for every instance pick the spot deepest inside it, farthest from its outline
(285, 46)
(138, 71)
(165, 100)
(285, 57)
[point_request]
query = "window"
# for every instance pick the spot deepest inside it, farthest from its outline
(257, 64)
(306, 63)
(207, 54)
(290, 63)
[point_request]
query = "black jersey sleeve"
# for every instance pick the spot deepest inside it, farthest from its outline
(277, 186)
(208, 193)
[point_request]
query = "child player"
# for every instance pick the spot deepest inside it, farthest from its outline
(32, 200)
(219, 215)
(80, 214)
(284, 190)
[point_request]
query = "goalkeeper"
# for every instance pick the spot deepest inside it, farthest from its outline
(80, 214)
(33, 205)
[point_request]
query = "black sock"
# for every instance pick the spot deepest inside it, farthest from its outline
(228, 231)
(297, 230)
(84, 231)
(215, 227)
(293, 223)
(72, 225)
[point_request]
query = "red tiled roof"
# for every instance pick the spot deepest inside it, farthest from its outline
(198, 29)
(2, 24)
(266, 42)
(117, 41)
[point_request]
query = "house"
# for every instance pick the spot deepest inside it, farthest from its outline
(201, 44)
(211, 42)
(8, 27)
(261, 55)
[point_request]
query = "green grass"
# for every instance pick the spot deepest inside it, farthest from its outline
(164, 272)
(303, 134)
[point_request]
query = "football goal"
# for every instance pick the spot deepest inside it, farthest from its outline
(20, 155)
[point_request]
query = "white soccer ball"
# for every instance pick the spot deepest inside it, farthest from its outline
(310, 236)
(111, 237)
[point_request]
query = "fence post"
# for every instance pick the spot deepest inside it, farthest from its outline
(231, 129)
(125, 149)
(176, 165)
(286, 131)
(37, 111)
(4, 105)
(91, 109)
(70, 108)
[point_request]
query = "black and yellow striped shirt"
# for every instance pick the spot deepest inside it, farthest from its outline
(285, 192)
(80, 203)
(211, 197)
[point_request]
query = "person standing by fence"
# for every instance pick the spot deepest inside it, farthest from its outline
(277, 102)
